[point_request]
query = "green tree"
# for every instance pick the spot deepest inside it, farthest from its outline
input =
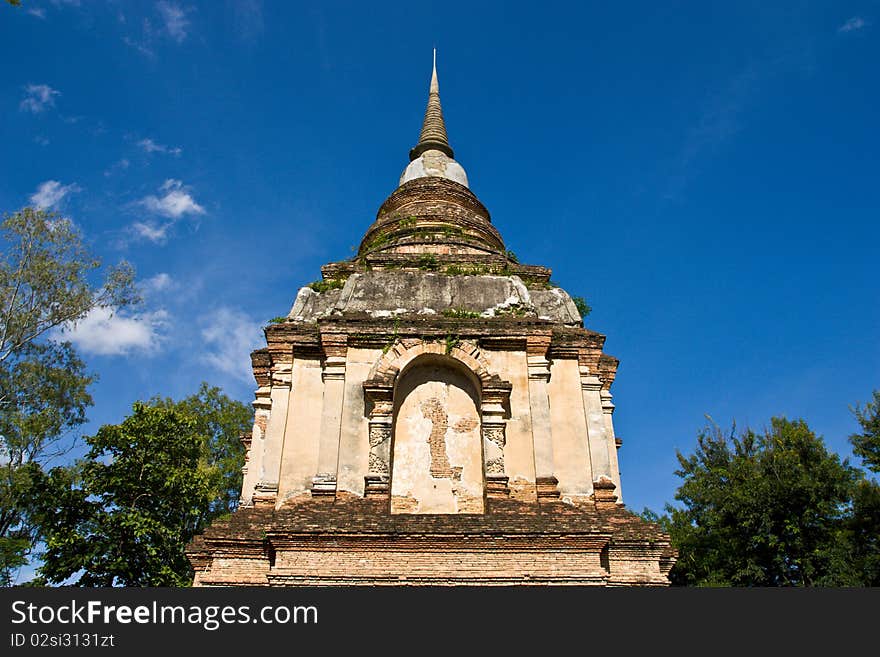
(123, 516)
(46, 282)
(866, 444)
(220, 422)
(761, 509)
(862, 543)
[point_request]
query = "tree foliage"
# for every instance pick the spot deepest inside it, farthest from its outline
(219, 421)
(46, 282)
(863, 528)
(866, 444)
(124, 514)
(777, 508)
(764, 509)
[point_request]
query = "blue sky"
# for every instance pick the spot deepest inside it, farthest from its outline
(705, 174)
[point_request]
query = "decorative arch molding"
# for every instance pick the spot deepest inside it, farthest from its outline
(402, 353)
(379, 391)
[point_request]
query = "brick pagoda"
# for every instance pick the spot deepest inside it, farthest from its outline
(432, 412)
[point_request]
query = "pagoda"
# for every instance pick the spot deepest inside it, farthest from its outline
(432, 412)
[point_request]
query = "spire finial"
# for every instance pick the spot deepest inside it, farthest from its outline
(433, 135)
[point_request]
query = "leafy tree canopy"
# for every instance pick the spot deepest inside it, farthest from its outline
(46, 282)
(761, 509)
(866, 444)
(219, 422)
(124, 515)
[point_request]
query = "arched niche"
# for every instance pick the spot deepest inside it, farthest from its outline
(436, 445)
(389, 385)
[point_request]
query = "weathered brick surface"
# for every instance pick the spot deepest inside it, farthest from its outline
(356, 541)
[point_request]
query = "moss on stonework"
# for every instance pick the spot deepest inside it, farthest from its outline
(329, 284)
(452, 341)
(536, 283)
(393, 338)
(428, 262)
(377, 242)
(459, 313)
(513, 310)
(583, 307)
(278, 320)
(467, 270)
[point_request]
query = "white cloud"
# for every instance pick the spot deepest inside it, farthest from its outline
(120, 165)
(158, 283)
(174, 203)
(230, 336)
(51, 192)
(149, 146)
(151, 231)
(853, 24)
(42, 140)
(142, 47)
(37, 11)
(106, 332)
(38, 98)
(174, 18)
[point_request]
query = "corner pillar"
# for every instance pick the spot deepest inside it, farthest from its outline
(537, 348)
(612, 440)
(266, 490)
(333, 377)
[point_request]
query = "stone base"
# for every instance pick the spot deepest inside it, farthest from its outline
(548, 488)
(324, 485)
(603, 493)
(354, 541)
(265, 495)
(377, 486)
(496, 486)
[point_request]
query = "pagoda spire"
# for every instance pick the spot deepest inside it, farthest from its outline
(433, 135)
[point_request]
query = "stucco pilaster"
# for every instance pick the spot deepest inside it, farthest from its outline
(591, 389)
(254, 458)
(611, 441)
(333, 377)
(266, 491)
(539, 402)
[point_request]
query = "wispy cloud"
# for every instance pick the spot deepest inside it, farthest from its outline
(39, 12)
(152, 231)
(174, 202)
(229, 336)
(853, 25)
(142, 47)
(150, 146)
(174, 20)
(107, 332)
(718, 122)
(119, 165)
(248, 17)
(38, 98)
(161, 282)
(42, 140)
(51, 192)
